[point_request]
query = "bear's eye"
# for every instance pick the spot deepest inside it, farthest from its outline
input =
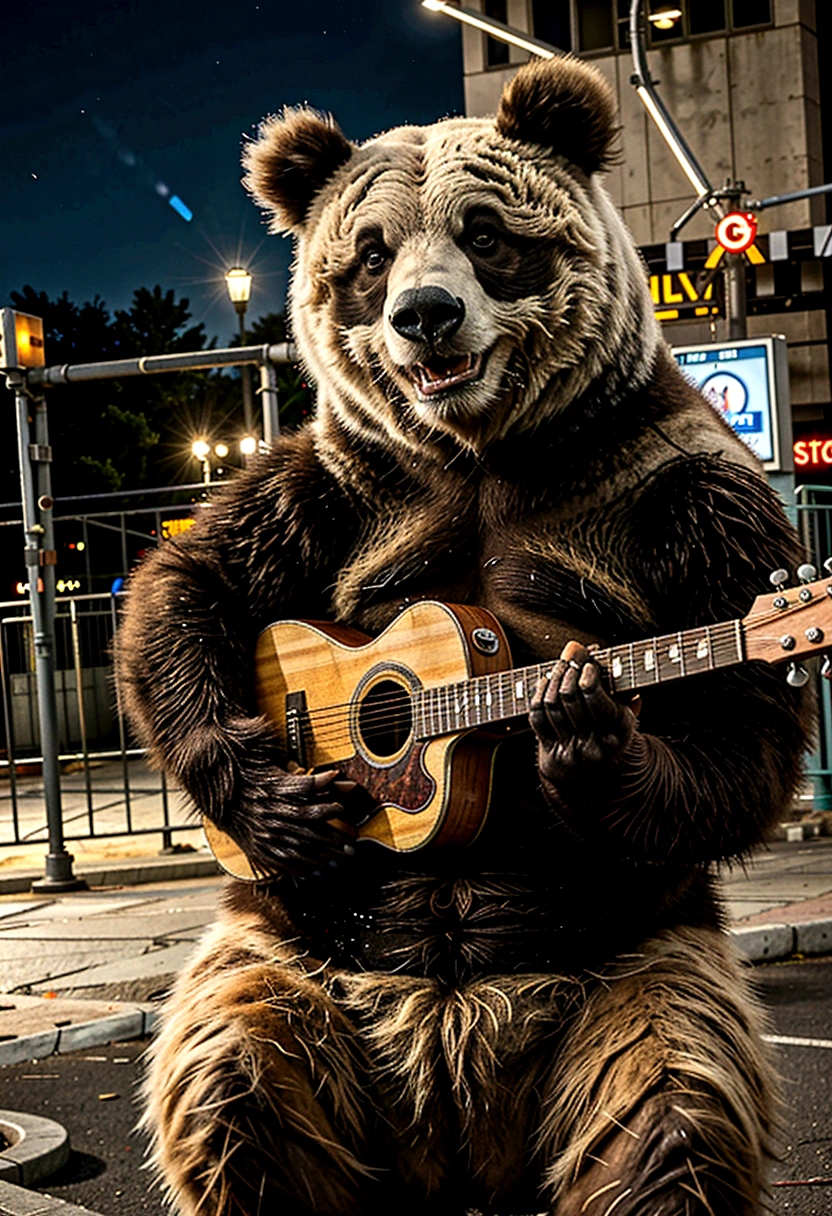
(483, 240)
(374, 259)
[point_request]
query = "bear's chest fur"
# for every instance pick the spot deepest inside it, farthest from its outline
(549, 571)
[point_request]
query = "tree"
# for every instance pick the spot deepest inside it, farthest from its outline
(118, 434)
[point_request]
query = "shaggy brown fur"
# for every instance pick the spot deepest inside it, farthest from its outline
(326, 1091)
(564, 107)
(551, 1016)
(305, 149)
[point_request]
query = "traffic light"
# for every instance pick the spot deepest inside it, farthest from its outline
(21, 340)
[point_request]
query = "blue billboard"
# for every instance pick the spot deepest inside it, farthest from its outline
(738, 381)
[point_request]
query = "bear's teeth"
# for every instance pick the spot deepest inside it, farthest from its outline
(445, 373)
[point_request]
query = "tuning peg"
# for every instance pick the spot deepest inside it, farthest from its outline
(807, 573)
(779, 578)
(827, 565)
(826, 667)
(797, 675)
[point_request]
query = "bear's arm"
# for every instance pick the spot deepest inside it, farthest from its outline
(268, 548)
(716, 758)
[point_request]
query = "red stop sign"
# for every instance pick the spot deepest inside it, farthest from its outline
(736, 231)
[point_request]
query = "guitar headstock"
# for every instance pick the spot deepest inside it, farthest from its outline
(791, 623)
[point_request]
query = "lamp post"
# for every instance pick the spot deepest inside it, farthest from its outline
(238, 282)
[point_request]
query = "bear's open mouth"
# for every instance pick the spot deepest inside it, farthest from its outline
(439, 374)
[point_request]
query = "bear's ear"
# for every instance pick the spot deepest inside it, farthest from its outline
(295, 154)
(562, 104)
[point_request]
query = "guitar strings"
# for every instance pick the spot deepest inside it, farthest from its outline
(720, 635)
(381, 717)
(722, 650)
(724, 646)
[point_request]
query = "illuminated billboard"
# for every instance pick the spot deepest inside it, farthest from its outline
(747, 383)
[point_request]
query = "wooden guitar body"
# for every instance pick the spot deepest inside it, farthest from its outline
(416, 715)
(340, 700)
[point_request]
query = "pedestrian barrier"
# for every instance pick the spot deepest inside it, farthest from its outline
(107, 787)
(814, 520)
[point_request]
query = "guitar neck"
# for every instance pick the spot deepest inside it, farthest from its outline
(508, 694)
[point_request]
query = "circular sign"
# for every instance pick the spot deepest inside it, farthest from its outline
(736, 231)
(726, 392)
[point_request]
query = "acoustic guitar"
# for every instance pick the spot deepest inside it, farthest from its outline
(415, 715)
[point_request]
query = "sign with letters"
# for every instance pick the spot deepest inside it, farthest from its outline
(736, 231)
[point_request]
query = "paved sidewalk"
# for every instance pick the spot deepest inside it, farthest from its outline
(84, 969)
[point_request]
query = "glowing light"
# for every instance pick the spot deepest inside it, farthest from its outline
(80, 546)
(221, 450)
(175, 527)
(496, 29)
(200, 449)
(238, 282)
(248, 445)
(177, 204)
(666, 18)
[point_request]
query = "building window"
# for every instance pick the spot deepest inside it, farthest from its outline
(596, 31)
(552, 22)
(706, 16)
(496, 52)
(604, 25)
(750, 12)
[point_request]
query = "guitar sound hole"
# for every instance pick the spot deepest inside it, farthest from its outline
(385, 718)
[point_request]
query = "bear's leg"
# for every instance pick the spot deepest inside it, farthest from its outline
(661, 1102)
(255, 1091)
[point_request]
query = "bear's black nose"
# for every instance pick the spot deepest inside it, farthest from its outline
(424, 314)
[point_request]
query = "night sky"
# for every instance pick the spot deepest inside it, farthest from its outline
(108, 103)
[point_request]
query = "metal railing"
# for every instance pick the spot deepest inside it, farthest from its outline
(814, 521)
(107, 787)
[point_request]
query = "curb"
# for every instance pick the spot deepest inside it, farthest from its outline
(17, 1201)
(134, 1024)
(121, 874)
(765, 943)
(40, 1147)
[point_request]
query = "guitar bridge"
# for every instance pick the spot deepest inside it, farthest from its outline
(297, 723)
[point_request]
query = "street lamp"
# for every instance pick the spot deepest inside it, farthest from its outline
(665, 18)
(238, 282)
(201, 451)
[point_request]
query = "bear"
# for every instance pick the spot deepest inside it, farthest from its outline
(548, 1016)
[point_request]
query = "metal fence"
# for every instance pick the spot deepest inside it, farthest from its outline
(814, 521)
(107, 787)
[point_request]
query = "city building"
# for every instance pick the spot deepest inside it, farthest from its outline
(742, 79)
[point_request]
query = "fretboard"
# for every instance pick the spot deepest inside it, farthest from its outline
(508, 694)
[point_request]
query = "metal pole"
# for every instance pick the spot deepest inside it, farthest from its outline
(153, 365)
(645, 87)
(39, 556)
(736, 306)
(268, 392)
(245, 373)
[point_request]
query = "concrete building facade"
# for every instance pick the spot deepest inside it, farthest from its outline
(742, 80)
